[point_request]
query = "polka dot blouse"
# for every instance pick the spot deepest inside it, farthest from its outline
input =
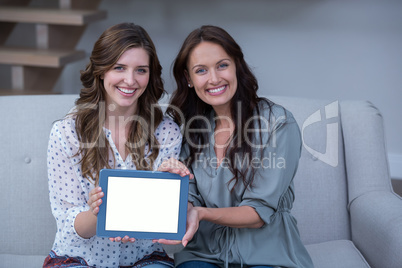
(68, 192)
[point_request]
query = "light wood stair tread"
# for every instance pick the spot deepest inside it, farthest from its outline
(39, 57)
(13, 92)
(50, 16)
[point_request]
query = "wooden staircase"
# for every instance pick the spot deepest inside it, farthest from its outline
(36, 69)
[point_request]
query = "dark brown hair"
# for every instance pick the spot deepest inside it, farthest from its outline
(187, 101)
(90, 113)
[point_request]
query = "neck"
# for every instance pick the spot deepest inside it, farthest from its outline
(224, 121)
(119, 116)
(223, 111)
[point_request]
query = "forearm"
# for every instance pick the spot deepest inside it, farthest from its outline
(236, 217)
(85, 224)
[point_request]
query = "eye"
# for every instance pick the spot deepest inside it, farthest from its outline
(142, 70)
(118, 68)
(200, 71)
(223, 65)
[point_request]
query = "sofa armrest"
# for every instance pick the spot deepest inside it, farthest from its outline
(376, 220)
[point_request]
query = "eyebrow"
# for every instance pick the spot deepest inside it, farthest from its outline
(200, 65)
(140, 66)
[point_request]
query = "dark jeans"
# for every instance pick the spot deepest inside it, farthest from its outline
(201, 264)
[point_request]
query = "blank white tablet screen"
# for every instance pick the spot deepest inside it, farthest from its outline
(142, 205)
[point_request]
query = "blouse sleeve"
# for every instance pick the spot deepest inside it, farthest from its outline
(67, 191)
(272, 184)
(194, 196)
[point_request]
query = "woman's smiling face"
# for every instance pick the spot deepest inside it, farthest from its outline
(212, 73)
(127, 79)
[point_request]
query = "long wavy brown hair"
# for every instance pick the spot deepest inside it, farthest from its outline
(186, 105)
(90, 110)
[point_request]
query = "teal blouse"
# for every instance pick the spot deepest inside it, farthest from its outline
(277, 242)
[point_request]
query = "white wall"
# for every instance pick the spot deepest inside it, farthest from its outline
(333, 49)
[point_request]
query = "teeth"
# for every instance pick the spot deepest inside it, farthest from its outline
(217, 89)
(127, 91)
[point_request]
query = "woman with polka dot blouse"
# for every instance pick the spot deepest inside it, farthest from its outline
(116, 123)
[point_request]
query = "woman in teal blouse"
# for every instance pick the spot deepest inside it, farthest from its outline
(243, 152)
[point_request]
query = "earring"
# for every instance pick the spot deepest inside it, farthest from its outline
(189, 85)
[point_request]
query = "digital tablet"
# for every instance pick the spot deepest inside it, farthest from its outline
(142, 204)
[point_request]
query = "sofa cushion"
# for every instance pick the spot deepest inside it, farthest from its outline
(13, 260)
(336, 254)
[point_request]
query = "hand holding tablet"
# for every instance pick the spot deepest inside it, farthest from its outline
(142, 204)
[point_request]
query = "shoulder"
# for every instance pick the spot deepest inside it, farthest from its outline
(167, 126)
(65, 125)
(64, 132)
(169, 138)
(167, 131)
(275, 113)
(276, 119)
(276, 122)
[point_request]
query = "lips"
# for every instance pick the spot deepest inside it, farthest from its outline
(217, 90)
(126, 91)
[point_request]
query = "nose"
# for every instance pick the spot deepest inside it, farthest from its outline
(129, 78)
(214, 77)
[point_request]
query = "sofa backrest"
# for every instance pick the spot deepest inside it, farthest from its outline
(321, 188)
(321, 193)
(27, 225)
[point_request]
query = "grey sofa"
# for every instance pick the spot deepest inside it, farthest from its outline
(348, 215)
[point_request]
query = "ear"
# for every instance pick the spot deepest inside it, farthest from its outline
(190, 84)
